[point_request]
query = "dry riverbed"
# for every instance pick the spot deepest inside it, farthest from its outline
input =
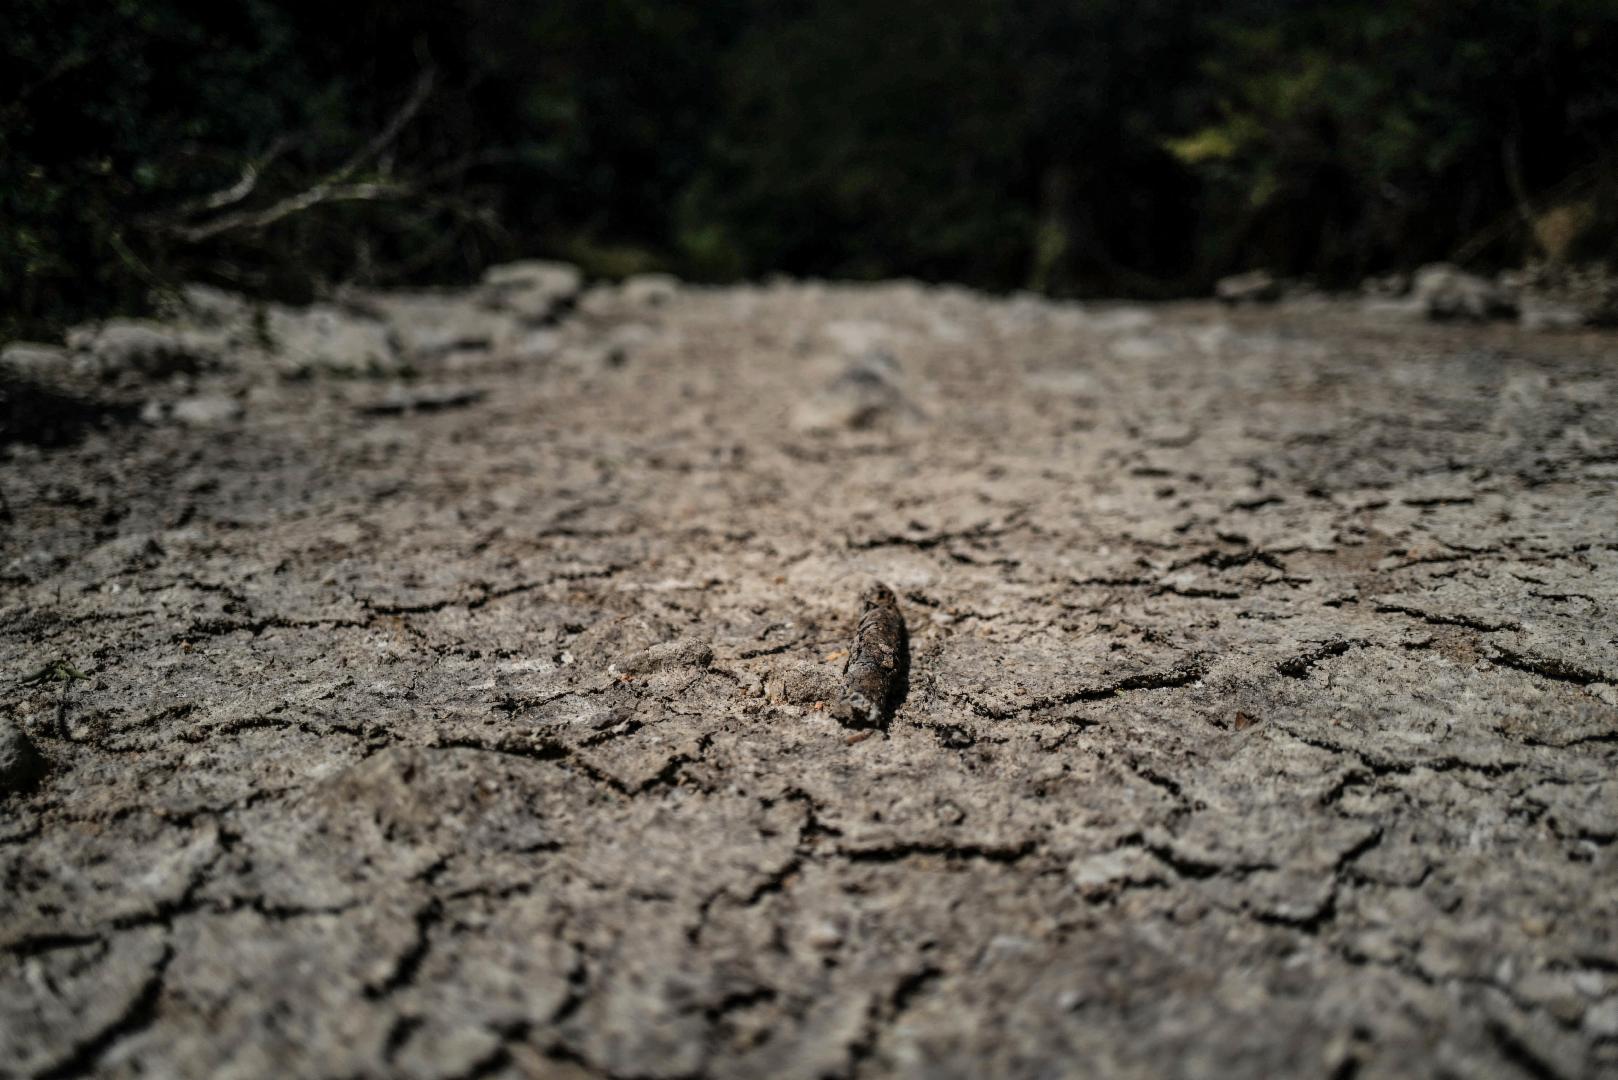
(445, 685)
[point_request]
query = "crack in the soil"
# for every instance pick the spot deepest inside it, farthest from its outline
(1549, 667)
(535, 748)
(140, 1014)
(486, 595)
(1174, 678)
(883, 1015)
(427, 918)
(1005, 854)
(1298, 667)
(219, 627)
(1381, 765)
(1467, 621)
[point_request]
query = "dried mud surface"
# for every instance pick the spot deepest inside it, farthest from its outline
(1260, 716)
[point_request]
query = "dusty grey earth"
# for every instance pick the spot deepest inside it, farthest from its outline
(440, 686)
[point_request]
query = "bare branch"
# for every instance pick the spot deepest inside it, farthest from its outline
(418, 97)
(364, 191)
(229, 196)
(334, 187)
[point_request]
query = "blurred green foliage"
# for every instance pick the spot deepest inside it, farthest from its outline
(1137, 148)
(1353, 137)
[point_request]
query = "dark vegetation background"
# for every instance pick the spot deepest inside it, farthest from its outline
(1121, 147)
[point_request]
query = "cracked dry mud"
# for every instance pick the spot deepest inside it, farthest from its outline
(1261, 716)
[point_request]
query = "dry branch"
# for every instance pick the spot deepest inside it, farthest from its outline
(876, 660)
(334, 187)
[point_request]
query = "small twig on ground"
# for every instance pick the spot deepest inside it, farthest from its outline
(876, 661)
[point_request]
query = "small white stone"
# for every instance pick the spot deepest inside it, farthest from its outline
(1602, 1020)
(824, 935)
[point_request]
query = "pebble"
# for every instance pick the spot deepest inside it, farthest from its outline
(20, 764)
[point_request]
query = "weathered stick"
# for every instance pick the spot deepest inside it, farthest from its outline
(334, 187)
(874, 672)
